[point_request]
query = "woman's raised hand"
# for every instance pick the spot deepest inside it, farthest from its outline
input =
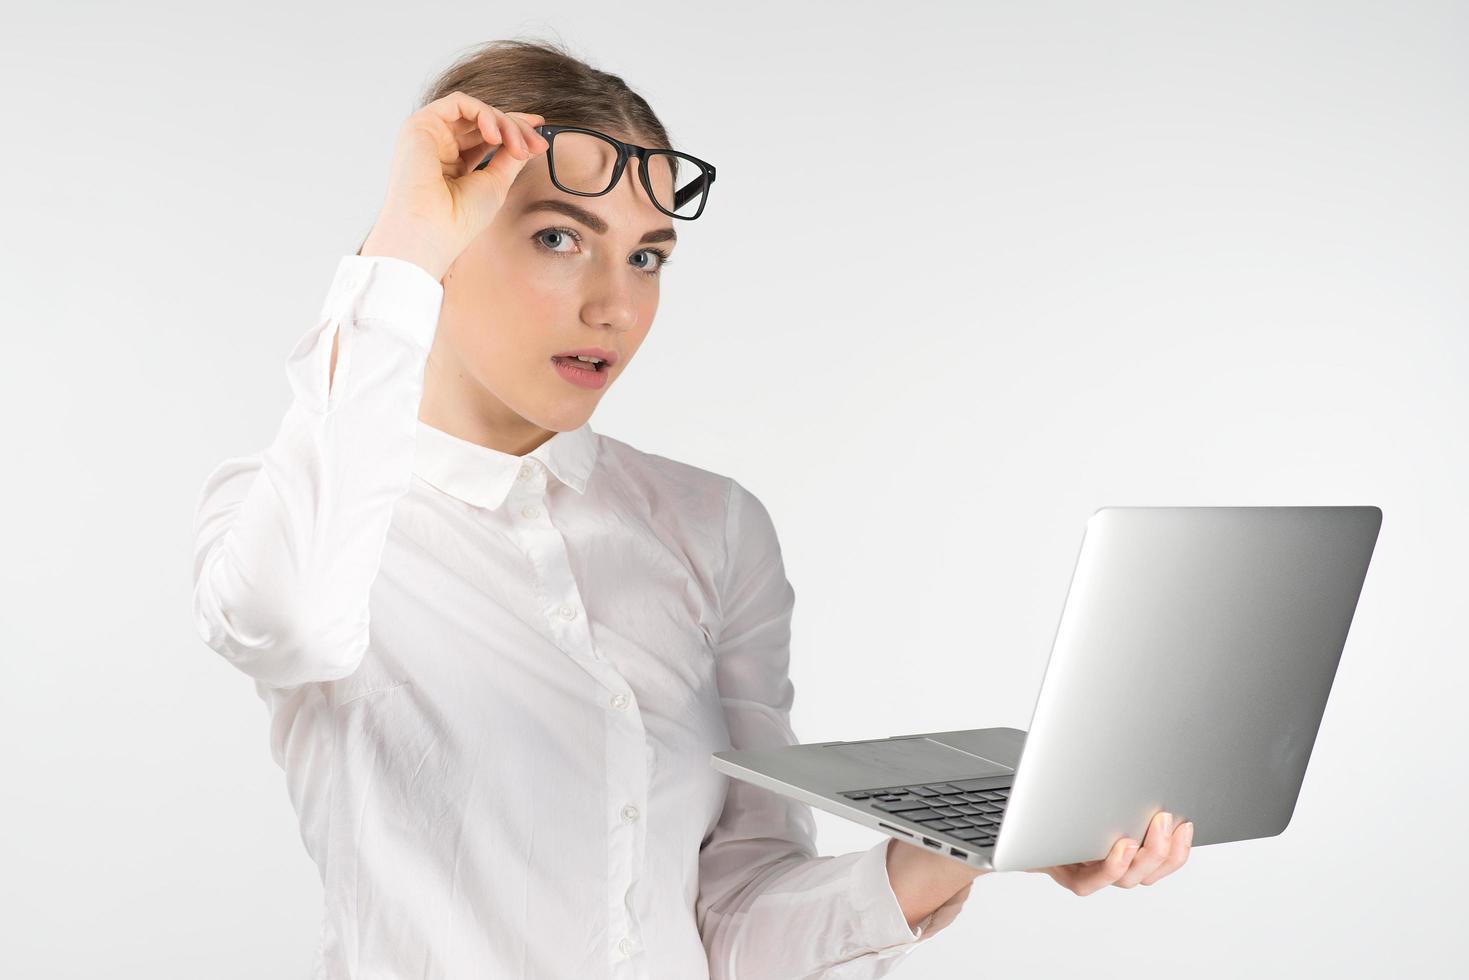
(1164, 850)
(437, 203)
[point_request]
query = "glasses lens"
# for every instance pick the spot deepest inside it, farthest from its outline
(678, 182)
(582, 163)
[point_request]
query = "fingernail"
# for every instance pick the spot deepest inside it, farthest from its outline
(1188, 828)
(1167, 823)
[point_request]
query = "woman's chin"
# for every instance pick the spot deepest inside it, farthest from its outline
(563, 412)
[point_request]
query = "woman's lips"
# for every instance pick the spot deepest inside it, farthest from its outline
(580, 373)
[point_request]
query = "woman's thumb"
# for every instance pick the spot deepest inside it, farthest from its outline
(485, 189)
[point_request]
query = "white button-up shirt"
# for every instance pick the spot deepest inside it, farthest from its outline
(494, 683)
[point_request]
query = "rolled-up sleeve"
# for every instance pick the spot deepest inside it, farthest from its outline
(769, 906)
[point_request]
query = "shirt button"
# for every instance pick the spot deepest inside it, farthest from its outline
(526, 471)
(629, 813)
(619, 700)
(530, 510)
(567, 611)
(625, 945)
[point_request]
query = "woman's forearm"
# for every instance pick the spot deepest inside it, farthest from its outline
(922, 881)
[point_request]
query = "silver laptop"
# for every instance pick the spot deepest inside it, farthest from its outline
(1189, 673)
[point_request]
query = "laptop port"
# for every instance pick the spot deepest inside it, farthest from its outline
(933, 843)
(898, 829)
(957, 853)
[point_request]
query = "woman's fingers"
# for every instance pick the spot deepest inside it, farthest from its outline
(476, 142)
(533, 139)
(1164, 849)
(1156, 842)
(459, 114)
(470, 132)
(468, 118)
(1083, 879)
(1183, 839)
(518, 131)
(434, 204)
(513, 135)
(496, 129)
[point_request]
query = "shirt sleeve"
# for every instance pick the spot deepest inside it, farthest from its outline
(768, 905)
(288, 542)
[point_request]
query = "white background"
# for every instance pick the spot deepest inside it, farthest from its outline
(970, 271)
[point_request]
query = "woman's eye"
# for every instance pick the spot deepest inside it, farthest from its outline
(551, 239)
(657, 267)
(558, 234)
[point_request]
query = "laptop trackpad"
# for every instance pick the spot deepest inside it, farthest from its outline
(917, 760)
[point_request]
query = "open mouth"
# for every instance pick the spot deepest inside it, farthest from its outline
(582, 362)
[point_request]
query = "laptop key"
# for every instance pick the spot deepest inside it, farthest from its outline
(971, 835)
(964, 785)
(857, 795)
(900, 806)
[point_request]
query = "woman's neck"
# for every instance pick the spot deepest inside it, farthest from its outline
(485, 421)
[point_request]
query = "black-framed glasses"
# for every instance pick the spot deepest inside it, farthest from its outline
(590, 164)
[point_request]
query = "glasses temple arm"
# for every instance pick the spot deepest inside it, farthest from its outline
(693, 188)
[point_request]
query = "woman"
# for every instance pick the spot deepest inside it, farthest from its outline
(498, 647)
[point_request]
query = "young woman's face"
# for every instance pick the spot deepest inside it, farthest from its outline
(553, 272)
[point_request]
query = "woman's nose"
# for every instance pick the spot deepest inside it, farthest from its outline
(608, 301)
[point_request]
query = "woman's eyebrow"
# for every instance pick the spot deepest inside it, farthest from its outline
(594, 222)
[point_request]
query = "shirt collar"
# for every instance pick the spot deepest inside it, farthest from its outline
(483, 476)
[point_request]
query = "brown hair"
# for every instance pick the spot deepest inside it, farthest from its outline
(544, 77)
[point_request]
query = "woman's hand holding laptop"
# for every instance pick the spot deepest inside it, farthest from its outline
(923, 879)
(1164, 850)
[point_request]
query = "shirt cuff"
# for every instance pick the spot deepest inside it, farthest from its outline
(881, 915)
(394, 291)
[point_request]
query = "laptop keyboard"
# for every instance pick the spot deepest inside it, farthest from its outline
(964, 808)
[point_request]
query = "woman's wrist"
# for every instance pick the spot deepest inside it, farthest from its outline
(406, 246)
(923, 880)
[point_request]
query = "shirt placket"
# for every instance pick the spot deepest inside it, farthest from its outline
(626, 762)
